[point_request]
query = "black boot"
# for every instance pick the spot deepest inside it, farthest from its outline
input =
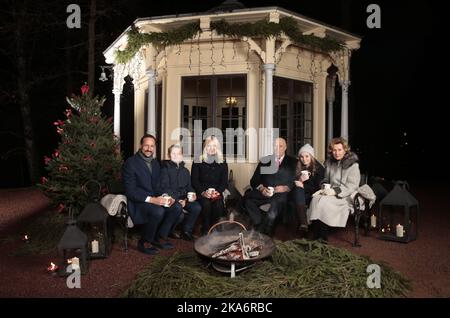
(323, 232)
(315, 228)
(302, 225)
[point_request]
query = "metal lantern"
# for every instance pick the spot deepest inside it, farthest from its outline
(73, 248)
(93, 221)
(398, 215)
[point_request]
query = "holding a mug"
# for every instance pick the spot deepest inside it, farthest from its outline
(210, 179)
(176, 182)
(331, 207)
(191, 196)
(309, 174)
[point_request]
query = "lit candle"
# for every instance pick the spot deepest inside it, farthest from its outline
(26, 238)
(75, 261)
(373, 221)
(399, 230)
(94, 246)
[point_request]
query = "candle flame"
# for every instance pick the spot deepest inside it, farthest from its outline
(52, 267)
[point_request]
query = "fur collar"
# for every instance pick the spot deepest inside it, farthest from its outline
(346, 162)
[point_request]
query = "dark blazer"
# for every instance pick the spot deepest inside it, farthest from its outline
(139, 184)
(284, 176)
(175, 179)
(209, 175)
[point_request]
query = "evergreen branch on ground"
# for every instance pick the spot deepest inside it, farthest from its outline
(297, 269)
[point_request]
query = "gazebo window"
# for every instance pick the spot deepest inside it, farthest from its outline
(292, 102)
(218, 101)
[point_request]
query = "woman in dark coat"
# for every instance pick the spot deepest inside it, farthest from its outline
(210, 179)
(309, 173)
(176, 182)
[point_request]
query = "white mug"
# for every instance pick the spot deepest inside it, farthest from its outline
(271, 190)
(190, 196)
(166, 200)
(326, 186)
(210, 191)
(306, 172)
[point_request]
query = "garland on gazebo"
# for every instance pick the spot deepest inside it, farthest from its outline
(261, 28)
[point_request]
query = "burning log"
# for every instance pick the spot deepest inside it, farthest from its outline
(238, 250)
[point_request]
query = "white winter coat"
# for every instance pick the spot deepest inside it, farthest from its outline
(344, 177)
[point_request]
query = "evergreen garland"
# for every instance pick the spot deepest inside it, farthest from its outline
(261, 28)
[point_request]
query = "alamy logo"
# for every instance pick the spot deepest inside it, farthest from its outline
(74, 19)
(74, 279)
(374, 19)
(374, 279)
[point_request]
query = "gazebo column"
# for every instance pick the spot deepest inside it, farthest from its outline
(344, 110)
(151, 114)
(268, 120)
(331, 80)
(117, 93)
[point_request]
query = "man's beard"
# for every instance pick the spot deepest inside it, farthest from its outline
(147, 153)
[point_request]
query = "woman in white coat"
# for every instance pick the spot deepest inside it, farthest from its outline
(331, 205)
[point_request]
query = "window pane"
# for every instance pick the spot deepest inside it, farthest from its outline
(201, 100)
(239, 86)
(293, 111)
(284, 88)
(189, 87)
(308, 111)
(204, 87)
(224, 87)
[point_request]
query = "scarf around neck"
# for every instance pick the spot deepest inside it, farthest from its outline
(147, 160)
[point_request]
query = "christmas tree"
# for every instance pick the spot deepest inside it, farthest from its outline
(88, 154)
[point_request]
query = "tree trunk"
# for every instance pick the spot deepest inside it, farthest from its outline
(24, 98)
(91, 49)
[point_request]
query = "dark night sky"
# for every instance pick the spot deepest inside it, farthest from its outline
(395, 87)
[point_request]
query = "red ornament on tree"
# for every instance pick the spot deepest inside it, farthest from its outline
(44, 180)
(47, 160)
(84, 89)
(63, 168)
(60, 208)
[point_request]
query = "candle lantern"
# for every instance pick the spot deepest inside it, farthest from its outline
(73, 248)
(398, 215)
(94, 221)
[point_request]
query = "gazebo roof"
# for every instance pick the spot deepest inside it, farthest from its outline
(232, 12)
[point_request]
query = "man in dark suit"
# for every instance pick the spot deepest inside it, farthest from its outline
(271, 182)
(146, 206)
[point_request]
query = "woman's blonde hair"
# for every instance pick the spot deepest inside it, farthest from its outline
(219, 154)
(336, 141)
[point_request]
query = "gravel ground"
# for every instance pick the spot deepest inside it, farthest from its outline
(425, 261)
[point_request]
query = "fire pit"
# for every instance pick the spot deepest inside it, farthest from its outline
(233, 248)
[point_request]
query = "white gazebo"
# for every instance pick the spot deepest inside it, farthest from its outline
(230, 68)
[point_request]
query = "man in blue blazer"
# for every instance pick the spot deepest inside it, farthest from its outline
(146, 206)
